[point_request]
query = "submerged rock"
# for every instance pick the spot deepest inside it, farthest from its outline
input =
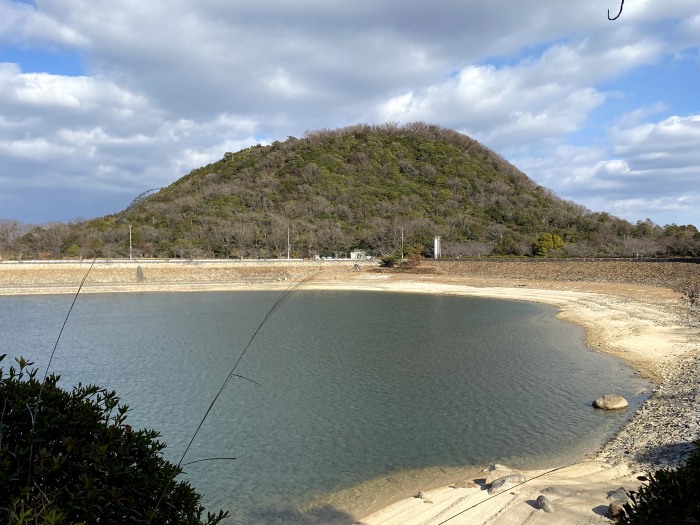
(610, 402)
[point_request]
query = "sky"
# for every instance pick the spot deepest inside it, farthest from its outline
(103, 100)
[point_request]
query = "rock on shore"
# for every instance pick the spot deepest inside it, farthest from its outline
(610, 402)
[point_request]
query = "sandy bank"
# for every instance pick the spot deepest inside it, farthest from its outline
(635, 318)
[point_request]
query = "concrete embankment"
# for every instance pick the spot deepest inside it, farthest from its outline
(150, 275)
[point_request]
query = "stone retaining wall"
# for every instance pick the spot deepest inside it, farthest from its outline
(682, 277)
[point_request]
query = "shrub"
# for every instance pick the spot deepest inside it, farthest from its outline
(70, 458)
(670, 497)
(388, 261)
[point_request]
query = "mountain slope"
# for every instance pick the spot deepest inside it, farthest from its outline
(354, 188)
(369, 188)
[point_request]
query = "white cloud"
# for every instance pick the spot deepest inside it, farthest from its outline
(659, 206)
(171, 86)
(507, 106)
(23, 23)
(60, 101)
(650, 170)
(73, 133)
(676, 135)
(33, 148)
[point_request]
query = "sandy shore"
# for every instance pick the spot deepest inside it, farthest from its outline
(646, 326)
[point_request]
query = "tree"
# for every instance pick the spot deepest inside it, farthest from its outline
(644, 228)
(69, 458)
(223, 237)
(506, 246)
(72, 251)
(547, 242)
(10, 231)
(643, 246)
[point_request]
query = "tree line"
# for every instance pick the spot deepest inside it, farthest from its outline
(81, 240)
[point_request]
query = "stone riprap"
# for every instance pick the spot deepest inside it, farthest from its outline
(663, 430)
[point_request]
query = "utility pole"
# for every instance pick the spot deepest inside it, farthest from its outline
(288, 248)
(130, 242)
(401, 244)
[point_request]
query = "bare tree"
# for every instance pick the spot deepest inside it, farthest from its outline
(10, 231)
(56, 234)
(244, 233)
(278, 234)
(223, 236)
(641, 246)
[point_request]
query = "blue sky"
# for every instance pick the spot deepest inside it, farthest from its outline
(100, 101)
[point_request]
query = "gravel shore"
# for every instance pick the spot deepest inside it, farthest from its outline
(663, 429)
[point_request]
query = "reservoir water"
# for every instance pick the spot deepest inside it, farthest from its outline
(360, 393)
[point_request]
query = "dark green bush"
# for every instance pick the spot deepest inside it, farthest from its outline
(70, 458)
(671, 497)
(388, 261)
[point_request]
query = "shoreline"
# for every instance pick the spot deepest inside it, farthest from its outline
(643, 325)
(638, 327)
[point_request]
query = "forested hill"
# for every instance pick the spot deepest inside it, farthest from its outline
(358, 188)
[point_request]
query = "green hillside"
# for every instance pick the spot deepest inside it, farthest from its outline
(358, 188)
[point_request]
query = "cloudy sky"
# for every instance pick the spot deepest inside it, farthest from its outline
(102, 100)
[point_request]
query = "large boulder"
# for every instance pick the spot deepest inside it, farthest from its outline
(610, 402)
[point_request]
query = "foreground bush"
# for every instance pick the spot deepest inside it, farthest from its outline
(671, 497)
(68, 458)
